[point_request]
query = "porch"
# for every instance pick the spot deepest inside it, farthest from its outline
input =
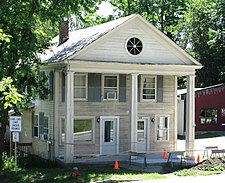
(129, 160)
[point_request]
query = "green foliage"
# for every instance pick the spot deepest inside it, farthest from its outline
(165, 15)
(205, 33)
(31, 25)
(8, 93)
(8, 163)
(193, 172)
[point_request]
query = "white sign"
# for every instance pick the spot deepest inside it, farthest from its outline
(15, 123)
(15, 136)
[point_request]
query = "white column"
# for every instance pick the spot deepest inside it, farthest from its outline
(56, 110)
(69, 147)
(133, 112)
(190, 115)
(175, 113)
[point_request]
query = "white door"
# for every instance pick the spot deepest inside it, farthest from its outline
(142, 135)
(109, 135)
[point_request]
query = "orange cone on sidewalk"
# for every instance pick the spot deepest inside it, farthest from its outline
(116, 165)
(164, 154)
(198, 159)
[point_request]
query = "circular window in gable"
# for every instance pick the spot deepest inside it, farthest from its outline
(134, 46)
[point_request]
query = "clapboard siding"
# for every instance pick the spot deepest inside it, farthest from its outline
(39, 146)
(112, 108)
(116, 108)
(112, 48)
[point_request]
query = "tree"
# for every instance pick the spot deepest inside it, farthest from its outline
(164, 14)
(29, 26)
(9, 97)
(205, 33)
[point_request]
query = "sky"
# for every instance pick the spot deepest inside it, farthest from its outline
(106, 9)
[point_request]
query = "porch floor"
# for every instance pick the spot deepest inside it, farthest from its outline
(152, 159)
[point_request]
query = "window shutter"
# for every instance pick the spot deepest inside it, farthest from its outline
(122, 88)
(94, 87)
(160, 89)
(32, 132)
(41, 124)
(63, 77)
(51, 84)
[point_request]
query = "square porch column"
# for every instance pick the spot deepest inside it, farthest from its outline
(56, 113)
(69, 126)
(133, 112)
(190, 115)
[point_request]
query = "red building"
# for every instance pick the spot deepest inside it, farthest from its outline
(209, 109)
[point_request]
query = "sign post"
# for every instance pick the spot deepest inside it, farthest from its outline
(15, 128)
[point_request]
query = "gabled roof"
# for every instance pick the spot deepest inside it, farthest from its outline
(80, 39)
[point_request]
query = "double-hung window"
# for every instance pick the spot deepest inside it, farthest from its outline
(148, 88)
(46, 128)
(35, 126)
(80, 86)
(162, 128)
(110, 87)
(62, 130)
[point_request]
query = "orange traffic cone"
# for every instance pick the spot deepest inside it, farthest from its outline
(198, 159)
(116, 165)
(164, 154)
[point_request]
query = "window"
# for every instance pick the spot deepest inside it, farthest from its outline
(162, 128)
(62, 130)
(140, 131)
(41, 126)
(35, 126)
(134, 46)
(209, 116)
(148, 88)
(83, 130)
(46, 128)
(109, 131)
(110, 87)
(80, 86)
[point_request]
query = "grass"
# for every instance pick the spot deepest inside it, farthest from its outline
(40, 171)
(193, 172)
(63, 175)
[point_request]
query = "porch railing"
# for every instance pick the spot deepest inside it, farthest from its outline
(24, 149)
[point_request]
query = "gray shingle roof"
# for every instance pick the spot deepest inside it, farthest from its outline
(80, 39)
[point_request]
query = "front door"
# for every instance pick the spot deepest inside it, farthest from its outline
(142, 135)
(109, 135)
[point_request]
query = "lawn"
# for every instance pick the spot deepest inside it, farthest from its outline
(63, 175)
(38, 170)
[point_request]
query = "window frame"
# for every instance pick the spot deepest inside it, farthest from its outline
(142, 84)
(48, 128)
(128, 52)
(92, 118)
(60, 130)
(157, 117)
(205, 117)
(104, 88)
(36, 126)
(80, 87)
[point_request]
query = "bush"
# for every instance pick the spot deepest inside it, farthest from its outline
(8, 163)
